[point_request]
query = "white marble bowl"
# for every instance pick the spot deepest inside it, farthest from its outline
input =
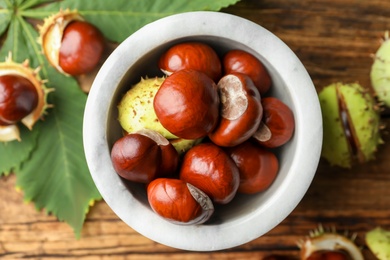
(246, 217)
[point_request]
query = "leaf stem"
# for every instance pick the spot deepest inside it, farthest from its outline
(33, 3)
(35, 14)
(33, 41)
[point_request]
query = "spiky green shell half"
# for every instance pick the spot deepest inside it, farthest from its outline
(378, 240)
(51, 34)
(136, 111)
(363, 121)
(9, 67)
(380, 71)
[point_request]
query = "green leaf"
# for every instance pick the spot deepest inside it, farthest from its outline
(5, 16)
(15, 152)
(31, 3)
(12, 154)
(49, 162)
(56, 177)
(120, 18)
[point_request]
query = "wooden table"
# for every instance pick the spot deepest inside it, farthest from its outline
(334, 40)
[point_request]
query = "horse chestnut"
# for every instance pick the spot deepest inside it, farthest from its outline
(144, 156)
(179, 202)
(258, 167)
(72, 45)
(329, 255)
(191, 55)
(209, 168)
(278, 124)
(22, 98)
(187, 104)
(18, 98)
(241, 110)
(244, 62)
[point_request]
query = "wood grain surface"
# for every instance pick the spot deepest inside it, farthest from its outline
(335, 40)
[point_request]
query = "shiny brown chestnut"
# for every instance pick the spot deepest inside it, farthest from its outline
(144, 156)
(278, 124)
(244, 62)
(81, 48)
(179, 202)
(258, 167)
(187, 104)
(18, 98)
(241, 110)
(191, 55)
(209, 168)
(329, 255)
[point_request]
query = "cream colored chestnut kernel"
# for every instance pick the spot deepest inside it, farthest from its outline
(233, 98)
(204, 201)
(155, 136)
(263, 133)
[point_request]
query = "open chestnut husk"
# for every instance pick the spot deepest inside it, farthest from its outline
(144, 156)
(241, 110)
(179, 202)
(209, 168)
(187, 104)
(71, 45)
(327, 244)
(22, 98)
(351, 124)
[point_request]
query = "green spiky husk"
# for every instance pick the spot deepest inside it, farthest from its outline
(378, 240)
(380, 71)
(365, 121)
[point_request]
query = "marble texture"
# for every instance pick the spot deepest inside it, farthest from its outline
(246, 217)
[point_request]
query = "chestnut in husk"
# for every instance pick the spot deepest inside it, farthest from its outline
(22, 98)
(72, 45)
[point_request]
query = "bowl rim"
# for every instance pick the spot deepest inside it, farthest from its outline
(301, 172)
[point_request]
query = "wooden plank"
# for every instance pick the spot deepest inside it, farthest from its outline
(335, 41)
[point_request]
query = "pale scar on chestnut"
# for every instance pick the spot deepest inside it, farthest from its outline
(201, 197)
(154, 135)
(263, 133)
(233, 99)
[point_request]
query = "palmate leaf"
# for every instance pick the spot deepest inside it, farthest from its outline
(5, 16)
(120, 18)
(49, 162)
(12, 154)
(56, 177)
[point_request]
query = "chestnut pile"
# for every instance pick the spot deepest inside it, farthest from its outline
(202, 133)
